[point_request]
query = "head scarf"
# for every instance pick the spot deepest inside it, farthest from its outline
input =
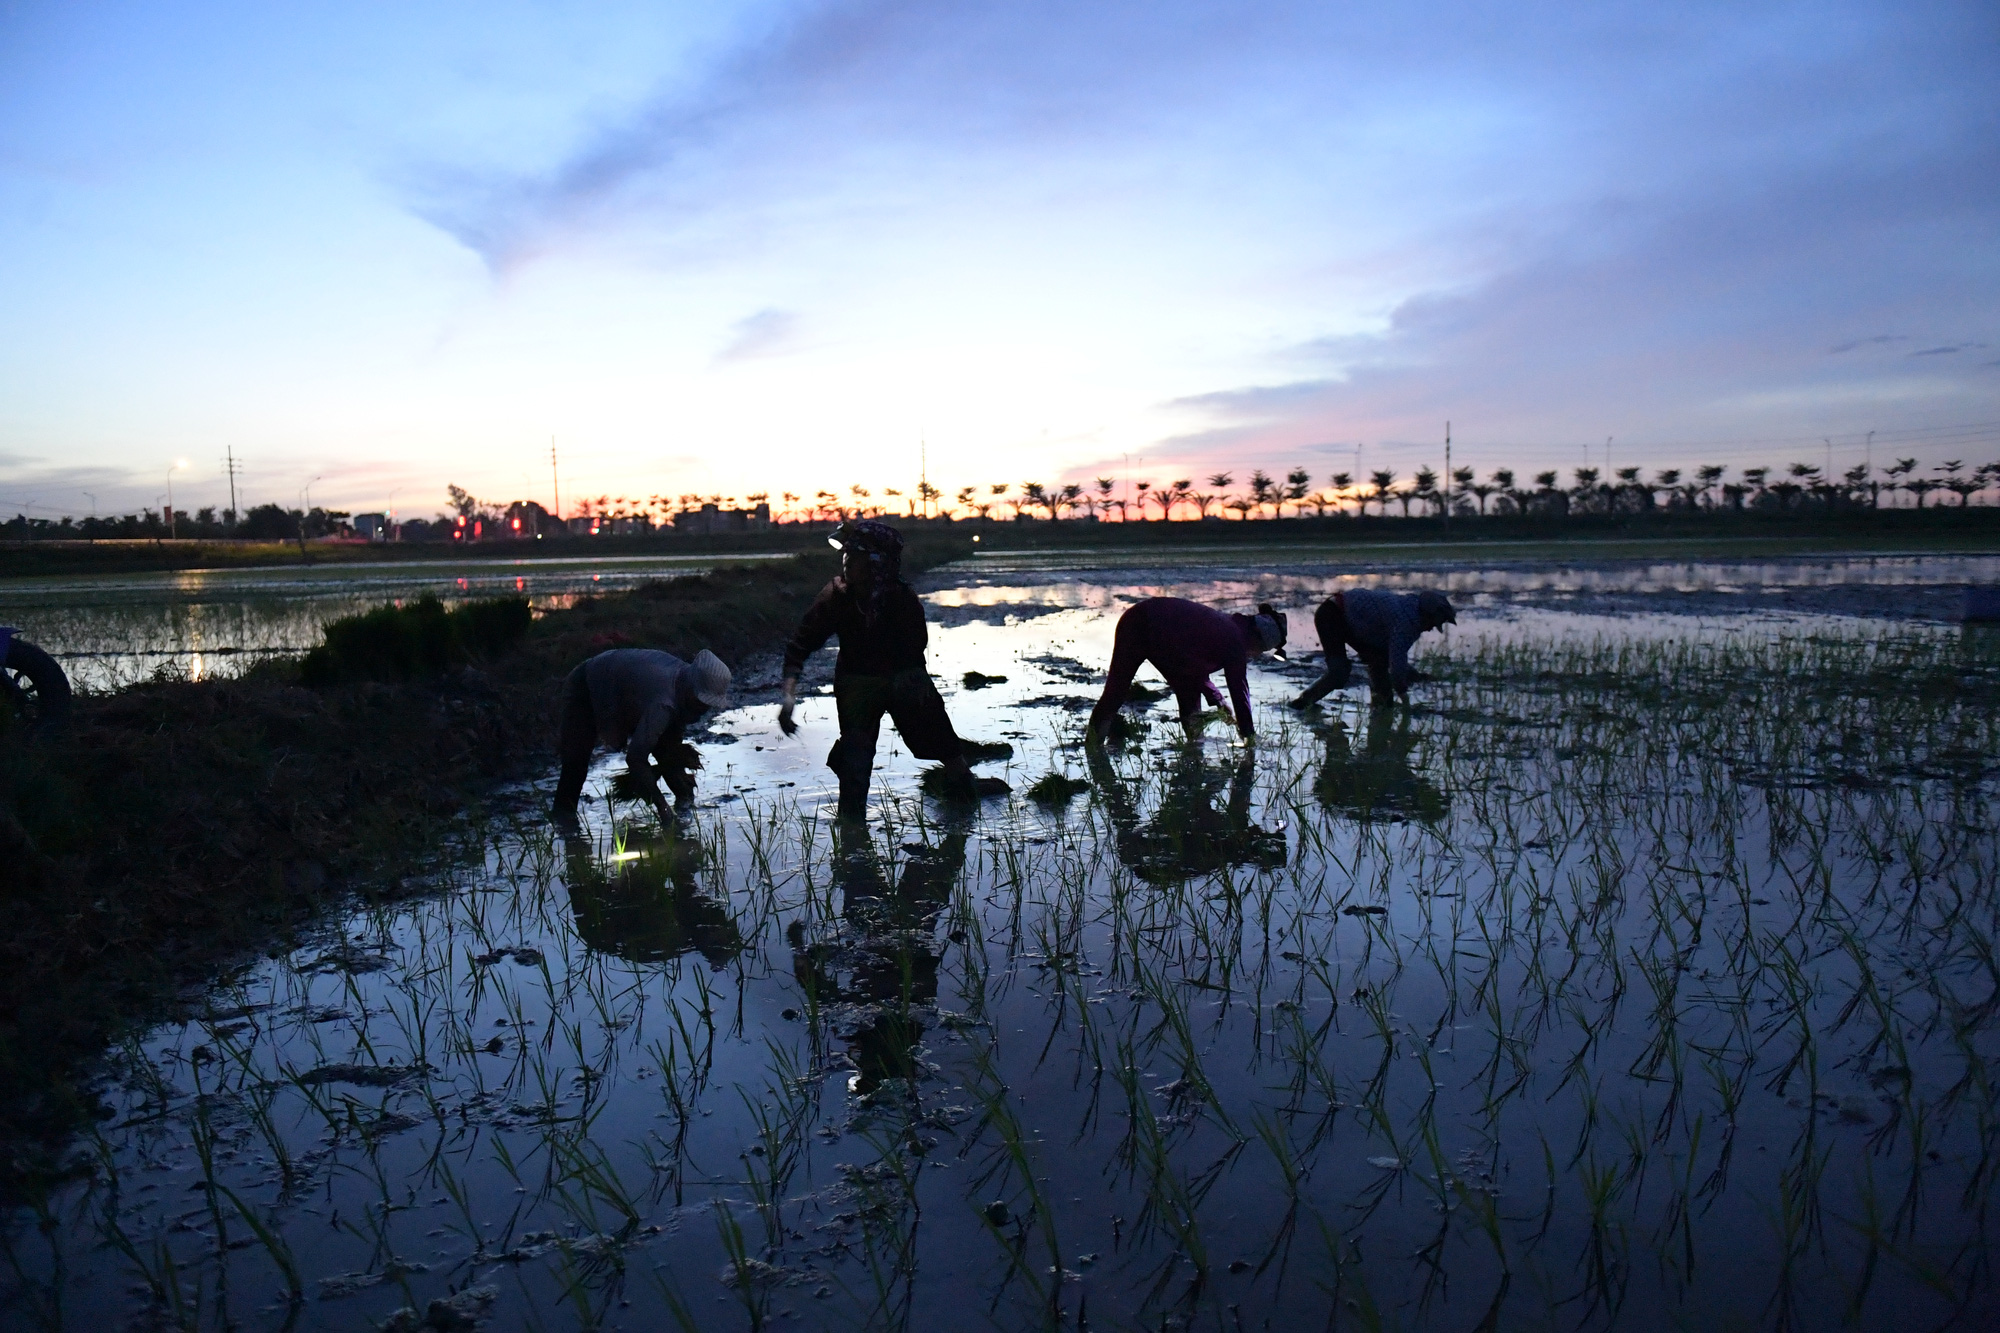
(1435, 607)
(882, 546)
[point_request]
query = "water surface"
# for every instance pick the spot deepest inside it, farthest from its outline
(1561, 1000)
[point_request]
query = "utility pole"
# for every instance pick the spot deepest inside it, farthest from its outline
(1447, 474)
(232, 467)
(924, 474)
(555, 478)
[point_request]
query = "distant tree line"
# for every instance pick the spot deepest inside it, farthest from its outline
(1799, 488)
(267, 522)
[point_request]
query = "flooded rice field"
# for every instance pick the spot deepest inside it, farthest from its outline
(1643, 975)
(111, 630)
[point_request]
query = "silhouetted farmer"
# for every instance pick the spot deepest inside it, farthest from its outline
(880, 667)
(640, 700)
(1187, 643)
(1382, 627)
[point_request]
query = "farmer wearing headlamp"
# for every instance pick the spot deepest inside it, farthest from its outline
(1382, 627)
(879, 669)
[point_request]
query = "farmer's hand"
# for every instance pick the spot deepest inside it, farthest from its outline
(785, 723)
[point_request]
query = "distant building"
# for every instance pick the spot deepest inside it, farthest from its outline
(526, 520)
(372, 527)
(710, 520)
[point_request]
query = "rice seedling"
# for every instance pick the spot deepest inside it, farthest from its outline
(1622, 976)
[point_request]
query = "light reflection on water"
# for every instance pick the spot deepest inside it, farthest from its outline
(110, 630)
(1149, 1049)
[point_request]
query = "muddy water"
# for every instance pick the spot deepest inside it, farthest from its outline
(1505, 1009)
(110, 630)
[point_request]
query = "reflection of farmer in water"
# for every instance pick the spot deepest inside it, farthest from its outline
(882, 965)
(1187, 835)
(880, 667)
(649, 908)
(1382, 627)
(1187, 643)
(1378, 783)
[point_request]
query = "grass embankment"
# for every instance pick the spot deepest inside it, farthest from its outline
(178, 825)
(27, 559)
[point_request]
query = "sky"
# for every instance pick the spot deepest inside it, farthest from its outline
(375, 249)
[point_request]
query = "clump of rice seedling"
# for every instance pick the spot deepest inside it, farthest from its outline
(1057, 789)
(420, 639)
(985, 752)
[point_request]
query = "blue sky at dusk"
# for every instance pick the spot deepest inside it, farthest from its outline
(773, 246)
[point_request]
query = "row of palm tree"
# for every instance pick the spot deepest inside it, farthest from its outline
(1425, 493)
(1502, 492)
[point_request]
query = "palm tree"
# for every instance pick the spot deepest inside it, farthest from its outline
(1221, 481)
(1262, 490)
(1548, 495)
(1105, 485)
(1634, 488)
(1065, 498)
(997, 490)
(1987, 475)
(1342, 483)
(1032, 493)
(1142, 487)
(1166, 497)
(1502, 480)
(1810, 480)
(1423, 487)
(1854, 483)
(1585, 493)
(1957, 485)
(1461, 480)
(1384, 483)
(1709, 475)
(1903, 467)
(1297, 483)
(1754, 478)
(968, 498)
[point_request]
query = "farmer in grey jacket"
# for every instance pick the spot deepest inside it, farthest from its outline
(640, 700)
(1382, 627)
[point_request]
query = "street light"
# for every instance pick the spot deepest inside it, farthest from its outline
(305, 508)
(173, 518)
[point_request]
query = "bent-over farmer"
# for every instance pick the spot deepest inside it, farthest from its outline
(1382, 627)
(640, 700)
(879, 668)
(1187, 643)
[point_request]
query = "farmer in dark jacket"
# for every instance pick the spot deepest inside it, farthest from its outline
(880, 667)
(1382, 627)
(639, 700)
(1187, 643)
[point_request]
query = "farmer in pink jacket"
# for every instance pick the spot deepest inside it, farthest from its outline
(1187, 643)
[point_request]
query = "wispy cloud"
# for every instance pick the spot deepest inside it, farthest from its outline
(766, 333)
